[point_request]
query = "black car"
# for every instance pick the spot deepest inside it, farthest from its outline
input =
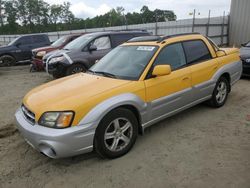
(80, 54)
(245, 57)
(19, 50)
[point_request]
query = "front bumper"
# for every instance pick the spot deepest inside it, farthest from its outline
(57, 143)
(57, 68)
(38, 64)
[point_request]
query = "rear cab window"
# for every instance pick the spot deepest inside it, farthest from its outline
(196, 51)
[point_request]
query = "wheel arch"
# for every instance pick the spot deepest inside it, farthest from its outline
(137, 114)
(83, 62)
(9, 54)
(128, 101)
(228, 77)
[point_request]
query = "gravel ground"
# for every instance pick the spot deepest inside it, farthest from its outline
(200, 147)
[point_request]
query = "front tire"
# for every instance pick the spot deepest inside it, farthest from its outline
(220, 93)
(7, 60)
(75, 68)
(116, 133)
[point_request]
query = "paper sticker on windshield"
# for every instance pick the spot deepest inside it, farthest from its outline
(145, 48)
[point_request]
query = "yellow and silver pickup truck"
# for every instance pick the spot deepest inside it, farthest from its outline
(134, 86)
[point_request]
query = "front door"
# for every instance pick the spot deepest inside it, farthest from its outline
(167, 94)
(103, 45)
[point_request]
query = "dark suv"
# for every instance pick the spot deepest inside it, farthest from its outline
(19, 50)
(80, 54)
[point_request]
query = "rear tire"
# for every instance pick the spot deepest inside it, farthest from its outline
(220, 93)
(7, 60)
(75, 68)
(116, 133)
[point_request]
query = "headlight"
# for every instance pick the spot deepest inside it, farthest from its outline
(248, 60)
(56, 59)
(56, 119)
(41, 54)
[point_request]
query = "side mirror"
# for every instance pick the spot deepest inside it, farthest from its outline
(161, 70)
(220, 53)
(18, 44)
(92, 47)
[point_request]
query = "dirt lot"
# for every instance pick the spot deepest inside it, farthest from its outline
(201, 147)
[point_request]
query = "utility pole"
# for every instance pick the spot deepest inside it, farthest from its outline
(208, 23)
(193, 20)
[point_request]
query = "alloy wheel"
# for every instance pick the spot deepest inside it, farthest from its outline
(221, 92)
(118, 134)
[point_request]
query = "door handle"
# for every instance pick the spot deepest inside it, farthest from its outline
(186, 78)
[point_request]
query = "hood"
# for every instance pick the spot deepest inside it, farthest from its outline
(5, 48)
(46, 48)
(69, 93)
(55, 53)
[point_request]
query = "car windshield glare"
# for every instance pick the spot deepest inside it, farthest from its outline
(59, 42)
(80, 42)
(125, 62)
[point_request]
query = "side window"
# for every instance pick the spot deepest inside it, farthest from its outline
(102, 43)
(196, 51)
(26, 40)
(172, 55)
(121, 38)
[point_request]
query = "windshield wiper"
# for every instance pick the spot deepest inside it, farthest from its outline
(103, 73)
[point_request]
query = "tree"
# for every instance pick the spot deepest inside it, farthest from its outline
(1, 12)
(31, 16)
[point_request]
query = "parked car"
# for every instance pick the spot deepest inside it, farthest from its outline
(82, 53)
(19, 50)
(245, 57)
(134, 86)
(38, 53)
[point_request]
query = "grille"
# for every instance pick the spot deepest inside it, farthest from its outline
(30, 116)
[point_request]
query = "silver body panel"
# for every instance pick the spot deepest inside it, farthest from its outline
(79, 139)
(57, 143)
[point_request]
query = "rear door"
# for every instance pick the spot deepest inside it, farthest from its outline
(203, 67)
(171, 92)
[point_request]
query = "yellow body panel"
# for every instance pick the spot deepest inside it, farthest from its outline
(165, 85)
(82, 92)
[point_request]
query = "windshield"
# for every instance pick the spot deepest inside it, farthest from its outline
(59, 42)
(125, 62)
(80, 42)
(13, 42)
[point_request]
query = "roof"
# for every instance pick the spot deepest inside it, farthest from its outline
(158, 39)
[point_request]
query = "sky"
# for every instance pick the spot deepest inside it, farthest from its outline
(182, 8)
